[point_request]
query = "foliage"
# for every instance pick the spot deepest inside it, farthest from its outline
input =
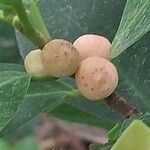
(13, 87)
(130, 81)
(117, 131)
(66, 19)
(95, 146)
(134, 24)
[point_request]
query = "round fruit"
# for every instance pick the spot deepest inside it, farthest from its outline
(92, 45)
(96, 78)
(33, 63)
(60, 58)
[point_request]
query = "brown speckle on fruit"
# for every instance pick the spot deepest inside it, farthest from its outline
(92, 89)
(82, 77)
(65, 53)
(64, 65)
(98, 85)
(85, 84)
(96, 70)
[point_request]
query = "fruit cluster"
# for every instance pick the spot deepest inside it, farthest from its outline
(88, 57)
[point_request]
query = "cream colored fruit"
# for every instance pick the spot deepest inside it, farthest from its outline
(96, 78)
(92, 45)
(33, 63)
(60, 58)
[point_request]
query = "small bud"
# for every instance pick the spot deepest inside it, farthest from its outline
(96, 78)
(60, 58)
(92, 45)
(17, 24)
(33, 63)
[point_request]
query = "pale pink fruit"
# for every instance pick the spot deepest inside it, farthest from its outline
(60, 58)
(92, 45)
(33, 63)
(96, 78)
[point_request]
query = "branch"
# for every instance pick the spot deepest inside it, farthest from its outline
(120, 104)
(36, 36)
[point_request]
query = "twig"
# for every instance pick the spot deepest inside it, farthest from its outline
(35, 35)
(120, 104)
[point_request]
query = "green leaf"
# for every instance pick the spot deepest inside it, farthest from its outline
(13, 87)
(134, 74)
(95, 146)
(11, 67)
(135, 137)
(46, 96)
(95, 110)
(28, 143)
(4, 145)
(113, 133)
(70, 113)
(117, 131)
(99, 109)
(134, 24)
(41, 96)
